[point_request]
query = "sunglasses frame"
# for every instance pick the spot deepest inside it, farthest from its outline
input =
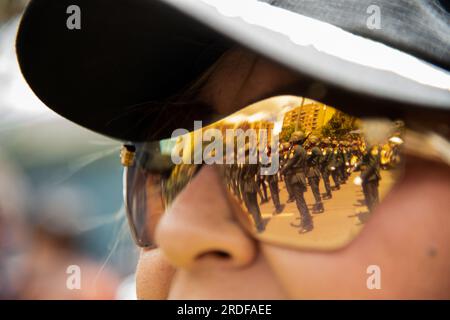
(425, 144)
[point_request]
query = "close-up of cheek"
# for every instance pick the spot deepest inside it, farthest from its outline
(255, 281)
(405, 242)
(153, 275)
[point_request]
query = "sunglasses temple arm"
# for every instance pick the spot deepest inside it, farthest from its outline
(429, 145)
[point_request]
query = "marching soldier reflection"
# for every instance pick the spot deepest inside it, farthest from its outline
(356, 155)
(294, 171)
(262, 189)
(324, 165)
(334, 163)
(340, 163)
(273, 185)
(249, 186)
(284, 158)
(370, 176)
(307, 159)
(313, 172)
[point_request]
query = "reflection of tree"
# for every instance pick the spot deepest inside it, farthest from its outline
(287, 131)
(339, 125)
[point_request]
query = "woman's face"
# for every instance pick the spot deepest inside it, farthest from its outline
(204, 253)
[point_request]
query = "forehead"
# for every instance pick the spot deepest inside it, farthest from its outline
(241, 78)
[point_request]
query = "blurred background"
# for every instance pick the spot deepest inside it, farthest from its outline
(60, 196)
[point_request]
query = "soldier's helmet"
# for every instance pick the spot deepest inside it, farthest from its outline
(334, 143)
(326, 142)
(297, 136)
(286, 145)
(314, 140)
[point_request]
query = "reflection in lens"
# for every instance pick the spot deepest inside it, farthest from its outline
(331, 177)
(318, 177)
(143, 182)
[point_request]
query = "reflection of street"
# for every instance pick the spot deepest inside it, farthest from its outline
(344, 214)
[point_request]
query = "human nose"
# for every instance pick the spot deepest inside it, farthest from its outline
(200, 229)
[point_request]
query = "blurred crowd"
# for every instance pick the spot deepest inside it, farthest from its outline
(58, 205)
(41, 237)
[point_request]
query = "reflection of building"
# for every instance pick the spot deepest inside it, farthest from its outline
(310, 117)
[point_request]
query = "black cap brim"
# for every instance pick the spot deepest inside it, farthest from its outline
(116, 74)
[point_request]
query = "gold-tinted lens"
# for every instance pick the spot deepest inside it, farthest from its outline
(300, 173)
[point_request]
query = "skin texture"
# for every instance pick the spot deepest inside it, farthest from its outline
(204, 253)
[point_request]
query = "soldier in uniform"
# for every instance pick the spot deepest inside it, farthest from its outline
(333, 165)
(283, 160)
(294, 171)
(262, 188)
(340, 163)
(280, 155)
(370, 176)
(313, 172)
(356, 155)
(327, 154)
(272, 180)
(347, 156)
(249, 188)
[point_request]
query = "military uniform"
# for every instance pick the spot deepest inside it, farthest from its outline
(333, 165)
(347, 158)
(340, 164)
(313, 175)
(249, 189)
(294, 171)
(284, 160)
(272, 180)
(356, 156)
(370, 176)
(262, 188)
(324, 166)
